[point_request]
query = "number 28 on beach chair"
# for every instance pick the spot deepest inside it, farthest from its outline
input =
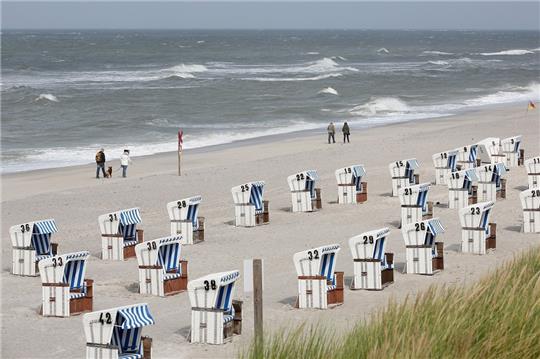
(304, 196)
(444, 162)
(402, 173)
(461, 191)
(511, 149)
(533, 171)
(116, 333)
(215, 316)
(319, 285)
(250, 209)
(31, 242)
(185, 221)
(530, 202)
(491, 185)
(119, 234)
(467, 157)
(161, 271)
(414, 204)
(489, 151)
(477, 234)
(65, 290)
(351, 189)
(424, 254)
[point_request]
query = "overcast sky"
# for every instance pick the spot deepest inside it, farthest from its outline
(271, 15)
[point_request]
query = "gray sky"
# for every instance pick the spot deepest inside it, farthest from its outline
(271, 15)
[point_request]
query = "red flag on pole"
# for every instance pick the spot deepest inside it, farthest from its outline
(180, 140)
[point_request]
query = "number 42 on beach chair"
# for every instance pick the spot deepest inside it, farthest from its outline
(119, 234)
(183, 215)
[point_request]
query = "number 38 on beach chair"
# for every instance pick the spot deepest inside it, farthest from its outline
(445, 163)
(65, 290)
(489, 151)
(477, 234)
(424, 254)
(185, 221)
(319, 285)
(530, 202)
(116, 333)
(304, 196)
(402, 173)
(414, 204)
(461, 191)
(533, 171)
(373, 268)
(215, 316)
(511, 149)
(161, 271)
(491, 185)
(31, 242)
(351, 189)
(119, 234)
(250, 209)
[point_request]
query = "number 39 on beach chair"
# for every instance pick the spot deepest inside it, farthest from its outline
(530, 202)
(319, 285)
(161, 271)
(215, 316)
(116, 333)
(185, 221)
(511, 149)
(414, 204)
(373, 268)
(119, 234)
(351, 189)
(491, 185)
(424, 254)
(304, 196)
(445, 163)
(461, 191)
(402, 173)
(477, 234)
(65, 290)
(533, 171)
(31, 242)
(250, 209)
(489, 151)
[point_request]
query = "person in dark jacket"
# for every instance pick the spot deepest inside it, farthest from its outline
(346, 132)
(100, 162)
(331, 132)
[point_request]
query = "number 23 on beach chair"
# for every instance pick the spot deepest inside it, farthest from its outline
(116, 333)
(215, 316)
(424, 254)
(351, 189)
(402, 173)
(533, 171)
(250, 209)
(304, 196)
(444, 162)
(31, 242)
(185, 221)
(477, 234)
(491, 185)
(119, 234)
(414, 204)
(461, 191)
(511, 149)
(530, 202)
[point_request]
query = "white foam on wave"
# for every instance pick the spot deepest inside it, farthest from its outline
(515, 52)
(46, 97)
(329, 91)
(292, 79)
(439, 62)
(378, 105)
(383, 50)
(437, 53)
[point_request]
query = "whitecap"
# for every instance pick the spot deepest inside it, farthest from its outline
(329, 91)
(46, 97)
(441, 63)
(383, 50)
(515, 52)
(378, 105)
(291, 79)
(437, 53)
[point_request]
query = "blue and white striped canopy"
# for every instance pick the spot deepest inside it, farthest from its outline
(136, 316)
(435, 226)
(193, 212)
(75, 268)
(412, 164)
(130, 216)
(169, 255)
(256, 196)
(312, 174)
(359, 171)
(46, 226)
(473, 153)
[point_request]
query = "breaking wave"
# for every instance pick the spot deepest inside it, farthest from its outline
(46, 97)
(507, 52)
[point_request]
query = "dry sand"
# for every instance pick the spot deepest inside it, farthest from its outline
(75, 199)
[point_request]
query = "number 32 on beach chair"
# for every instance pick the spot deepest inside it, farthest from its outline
(119, 234)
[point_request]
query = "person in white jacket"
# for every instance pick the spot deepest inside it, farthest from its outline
(124, 162)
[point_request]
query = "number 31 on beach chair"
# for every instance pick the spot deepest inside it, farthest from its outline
(119, 234)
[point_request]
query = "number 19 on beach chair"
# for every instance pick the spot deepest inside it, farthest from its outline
(491, 185)
(161, 271)
(530, 202)
(461, 191)
(511, 149)
(445, 163)
(533, 171)
(477, 234)
(402, 173)
(424, 254)
(319, 285)
(119, 234)
(305, 197)
(65, 290)
(116, 333)
(31, 242)
(185, 221)
(250, 209)
(489, 151)
(351, 189)
(215, 316)
(414, 204)
(467, 157)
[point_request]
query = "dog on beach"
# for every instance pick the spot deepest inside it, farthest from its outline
(109, 172)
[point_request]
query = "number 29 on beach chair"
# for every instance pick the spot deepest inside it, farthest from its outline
(530, 202)
(351, 189)
(250, 209)
(402, 173)
(183, 215)
(119, 234)
(305, 196)
(533, 171)
(461, 191)
(511, 149)
(477, 234)
(424, 253)
(445, 163)
(414, 204)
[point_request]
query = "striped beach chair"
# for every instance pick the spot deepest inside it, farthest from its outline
(478, 235)
(373, 268)
(511, 149)
(117, 333)
(250, 208)
(414, 204)
(184, 218)
(319, 285)
(461, 189)
(533, 171)
(467, 157)
(402, 173)
(445, 163)
(31, 242)
(305, 196)
(530, 202)
(65, 290)
(351, 189)
(215, 316)
(489, 151)
(161, 270)
(119, 234)
(491, 185)
(424, 253)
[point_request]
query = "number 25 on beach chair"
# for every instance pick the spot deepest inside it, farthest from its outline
(414, 204)
(477, 234)
(444, 162)
(491, 185)
(119, 234)
(530, 202)
(304, 196)
(351, 189)
(424, 254)
(65, 290)
(533, 171)
(215, 316)
(249, 207)
(31, 242)
(116, 333)
(319, 285)
(461, 191)
(489, 151)
(511, 149)
(402, 173)
(185, 221)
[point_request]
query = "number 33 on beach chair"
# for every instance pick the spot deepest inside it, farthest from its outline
(424, 254)
(530, 202)
(249, 207)
(185, 221)
(119, 234)
(351, 189)
(477, 234)
(305, 197)
(402, 173)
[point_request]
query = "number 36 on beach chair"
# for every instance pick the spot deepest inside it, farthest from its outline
(183, 215)
(119, 234)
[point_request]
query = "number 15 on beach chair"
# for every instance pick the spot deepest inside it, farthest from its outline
(533, 171)
(491, 185)
(402, 173)
(511, 149)
(461, 191)
(31, 242)
(444, 162)
(414, 204)
(424, 254)
(351, 189)
(250, 209)
(530, 202)
(119, 234)
(477, 234)
(305, 196)
(185, 221)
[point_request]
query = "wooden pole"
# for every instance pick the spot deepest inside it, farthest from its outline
(179, 161)
(258, 302)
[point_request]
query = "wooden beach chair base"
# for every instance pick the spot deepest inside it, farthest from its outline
(129, 251)
(521, 159)
(177, 285)
(83, 304)
(491, 241)
(316, 203)
(387, 275)
(501, 194)
(361, 197)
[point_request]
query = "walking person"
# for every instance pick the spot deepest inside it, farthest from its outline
(100, 162)
(346, 132)
(331, 132)
(124, 162)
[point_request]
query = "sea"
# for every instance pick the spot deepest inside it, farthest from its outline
(65, 94)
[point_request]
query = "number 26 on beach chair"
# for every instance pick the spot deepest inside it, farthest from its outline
(491, 185)
(461, 191)
(161, 271)
(530, 202)
(424, 254)
(119, 234)
(31, 242)
(319, 285)
(65, 290)
(250, 209)
(116, 333)
(305, 196)
(414, 204)
(402, 173)
(351, 189)
(511, 149)
(185, 221)
(477, 234)
(444, 162)
(215, 316)
(533, 171)
(489, 151)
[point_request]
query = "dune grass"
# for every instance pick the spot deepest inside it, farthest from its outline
(498, 317)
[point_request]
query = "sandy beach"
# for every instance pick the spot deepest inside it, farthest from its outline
(74, 198)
